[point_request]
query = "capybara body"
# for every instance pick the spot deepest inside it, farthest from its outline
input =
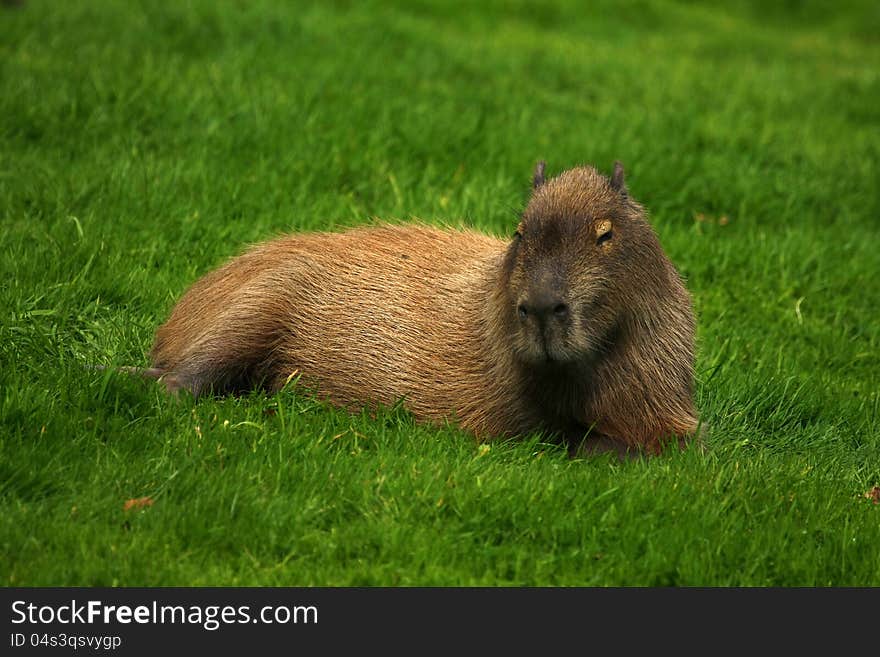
(579, 326)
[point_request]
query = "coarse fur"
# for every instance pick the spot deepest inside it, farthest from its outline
(579, 326)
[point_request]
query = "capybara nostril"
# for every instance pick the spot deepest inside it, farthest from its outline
(543, 306)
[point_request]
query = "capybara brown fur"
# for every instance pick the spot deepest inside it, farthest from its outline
(579, 326)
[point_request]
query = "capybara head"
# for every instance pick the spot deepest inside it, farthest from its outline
(579, 246)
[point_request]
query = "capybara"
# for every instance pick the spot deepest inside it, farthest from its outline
(578, 326)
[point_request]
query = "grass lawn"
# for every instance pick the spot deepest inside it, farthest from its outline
(144, 142)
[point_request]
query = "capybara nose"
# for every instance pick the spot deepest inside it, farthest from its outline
(543, 307)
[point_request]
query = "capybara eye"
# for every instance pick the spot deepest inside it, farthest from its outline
(522, 312)
(603, 232)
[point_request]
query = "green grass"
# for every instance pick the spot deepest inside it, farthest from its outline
(142, 143)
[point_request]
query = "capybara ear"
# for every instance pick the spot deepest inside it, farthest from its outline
(617, 181)
(538, 177)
